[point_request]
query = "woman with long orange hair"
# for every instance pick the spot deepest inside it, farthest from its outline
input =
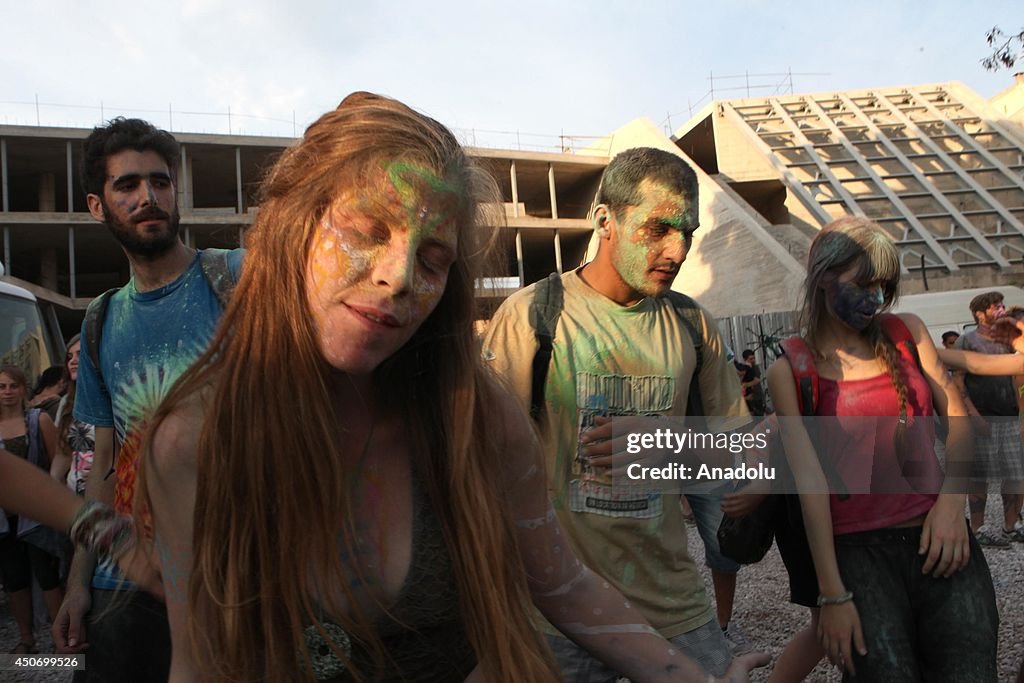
(338, 488)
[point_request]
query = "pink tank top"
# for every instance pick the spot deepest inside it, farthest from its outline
(903, 485)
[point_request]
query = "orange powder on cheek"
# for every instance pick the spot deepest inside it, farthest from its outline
(329, 267)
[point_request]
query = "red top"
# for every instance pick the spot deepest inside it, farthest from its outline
(862, 448)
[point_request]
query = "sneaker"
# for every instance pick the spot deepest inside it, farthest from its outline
(988, 539)
(737, 638)
(1014, 535)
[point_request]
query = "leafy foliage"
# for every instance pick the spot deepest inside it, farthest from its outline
(1007, 49)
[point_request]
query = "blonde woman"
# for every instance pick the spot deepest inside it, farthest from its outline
(904, 591)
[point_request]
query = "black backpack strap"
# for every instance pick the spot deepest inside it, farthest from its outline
(689, 314)
(545, 309)
(93, 331)
(214, 263)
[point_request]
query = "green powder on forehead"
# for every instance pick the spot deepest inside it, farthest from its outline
(417, 186)
(399, 170)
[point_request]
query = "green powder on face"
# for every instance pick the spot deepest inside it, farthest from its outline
(407, 179)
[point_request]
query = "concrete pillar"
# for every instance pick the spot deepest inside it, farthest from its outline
(551, 190)
(558, 252)
(185, 181)
(47, 191)
(48, 268)
(554, 214)
(71, 177)
(72, 270)
(515, 191)
(519, 257)
(238, 177)
(3, 174)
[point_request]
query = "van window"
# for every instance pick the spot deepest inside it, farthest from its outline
(22, 340)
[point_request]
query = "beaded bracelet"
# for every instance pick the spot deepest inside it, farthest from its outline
(838, 600)
(99, 529)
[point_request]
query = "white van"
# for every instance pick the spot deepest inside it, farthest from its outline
(944, 311)
(29, 334)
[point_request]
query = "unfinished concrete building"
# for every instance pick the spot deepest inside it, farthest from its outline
(53, 247)
(936, 165)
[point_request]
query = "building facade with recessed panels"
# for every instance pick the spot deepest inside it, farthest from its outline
(941, 169)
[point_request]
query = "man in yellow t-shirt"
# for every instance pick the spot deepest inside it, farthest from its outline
(621, 347)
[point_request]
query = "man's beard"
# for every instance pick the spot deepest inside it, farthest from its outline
(148, 247)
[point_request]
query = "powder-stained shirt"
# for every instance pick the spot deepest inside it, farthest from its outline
(619, 360)
(149, 339)
(992, 396)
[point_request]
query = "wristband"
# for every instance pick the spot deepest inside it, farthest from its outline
(99, 529)
(838, 600)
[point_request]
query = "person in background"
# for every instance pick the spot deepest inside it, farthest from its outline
(752, 384)
(27, 548)
(76, 440)
(622, 348)
(150, 331)
(994, 407)
(904, 590)
(48, 391)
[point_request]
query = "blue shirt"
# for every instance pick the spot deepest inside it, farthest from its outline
(149, 339)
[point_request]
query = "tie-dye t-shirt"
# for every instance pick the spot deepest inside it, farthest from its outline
(149, 340)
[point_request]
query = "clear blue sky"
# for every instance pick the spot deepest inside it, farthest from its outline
(537, 66)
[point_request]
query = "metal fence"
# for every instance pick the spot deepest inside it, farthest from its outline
(61, 115)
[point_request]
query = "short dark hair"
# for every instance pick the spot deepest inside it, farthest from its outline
(983, 301)
(118, 135)
(949, 333)
(49, 377)
(620, 182)
(747, 353)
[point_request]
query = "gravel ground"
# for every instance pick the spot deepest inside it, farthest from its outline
(762, 608)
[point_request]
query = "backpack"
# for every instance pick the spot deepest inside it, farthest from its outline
(546, 309)
(805, 375)
(214, 264)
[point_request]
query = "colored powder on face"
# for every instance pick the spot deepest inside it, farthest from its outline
(855, 306)
(431, 208)
(429, 201)
(400, 230)
(646, 233)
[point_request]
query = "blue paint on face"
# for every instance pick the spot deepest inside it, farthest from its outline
(854, 305)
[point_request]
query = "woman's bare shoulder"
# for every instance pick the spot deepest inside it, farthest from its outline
(175, 441)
